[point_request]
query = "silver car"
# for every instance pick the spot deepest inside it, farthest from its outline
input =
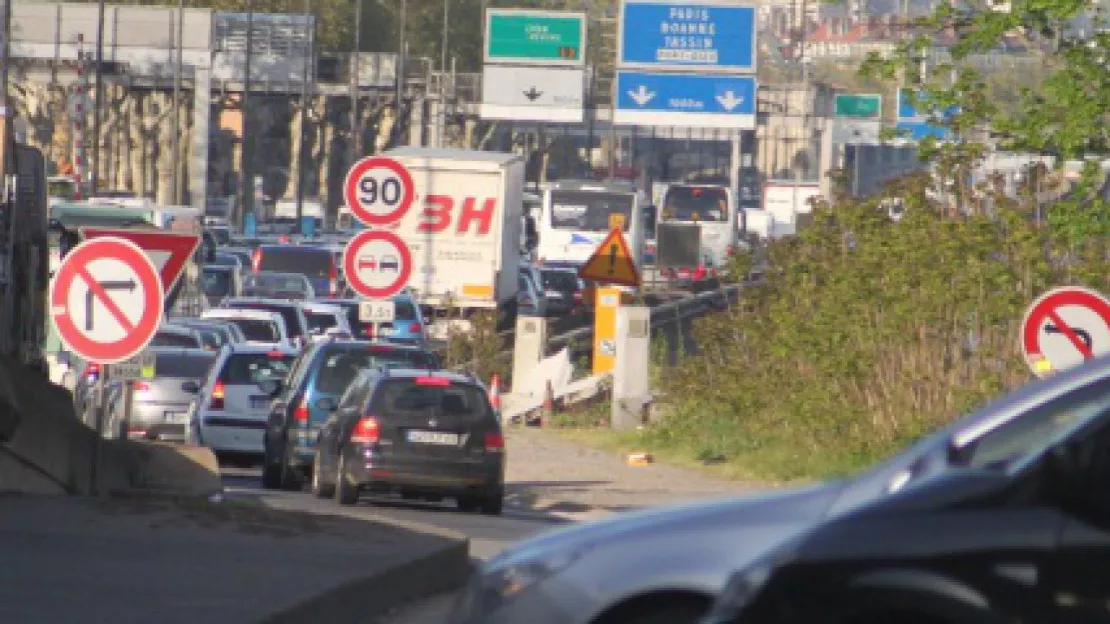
(665, 565)
(160, 407)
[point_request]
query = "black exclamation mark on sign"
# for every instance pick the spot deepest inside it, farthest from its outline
(613, 249)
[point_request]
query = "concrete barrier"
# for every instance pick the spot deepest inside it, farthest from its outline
(47, 449)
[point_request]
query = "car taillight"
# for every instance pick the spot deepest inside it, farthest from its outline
(495, 442)
(256, 260)
(92, 371)
(414, 328)
(217, 400)
(366, 431)
(578, 297)
(140, 386)
(368, 330)
(300, 414)
(433, 381)
(699, 273)
(275, 354)
(333, 279)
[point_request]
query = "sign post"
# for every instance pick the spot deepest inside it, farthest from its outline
(534, 66)
(1063, 328)
(377, 263)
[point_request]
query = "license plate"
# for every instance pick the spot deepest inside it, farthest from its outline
(258, 402)
(432, 437)
(176, 418)
(385, 331)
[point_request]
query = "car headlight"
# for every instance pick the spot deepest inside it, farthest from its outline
(502, 583)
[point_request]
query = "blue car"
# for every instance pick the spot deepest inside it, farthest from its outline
(408, 325)
(316, 263)
(304, 402)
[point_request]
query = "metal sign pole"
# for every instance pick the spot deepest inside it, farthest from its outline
(101, 408)
(128, 405)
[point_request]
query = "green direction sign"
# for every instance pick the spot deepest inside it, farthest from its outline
(858, 106)
(535, 37)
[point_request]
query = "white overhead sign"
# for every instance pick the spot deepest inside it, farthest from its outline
(856, 132)
(545, 94)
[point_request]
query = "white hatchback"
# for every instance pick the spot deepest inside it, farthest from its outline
(326, 321)
(230, 412)
(259, 327)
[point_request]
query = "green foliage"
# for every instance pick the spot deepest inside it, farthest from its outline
(864, 334)
(478, 350)
(1061, 108)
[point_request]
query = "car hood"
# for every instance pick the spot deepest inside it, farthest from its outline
(779, 507)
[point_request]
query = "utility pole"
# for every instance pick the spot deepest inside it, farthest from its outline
(442, 117)
(99, 97)
(246, 185)
(177, 199)
(354, 146)
(309, 47)
(402, 50)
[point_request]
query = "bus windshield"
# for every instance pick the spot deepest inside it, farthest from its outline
(695, 203)
(590, 211)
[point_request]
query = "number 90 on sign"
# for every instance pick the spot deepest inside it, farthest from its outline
(378, 190)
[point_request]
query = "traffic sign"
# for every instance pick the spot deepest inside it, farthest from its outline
(376, 311)
(522, 36)
(548, 94)
(691, 100)
(377, 264)
(1064, 327)
(914, 126)
(169, 251)
(611, 263)
(106, 300)
(141, 366)
(694, 35)
(856, 106)
(378, 190)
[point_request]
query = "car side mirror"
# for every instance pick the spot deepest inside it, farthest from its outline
(270, 387)
(191, 387)
(328, 405)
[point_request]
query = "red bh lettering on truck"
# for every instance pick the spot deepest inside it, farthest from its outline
(436, 216)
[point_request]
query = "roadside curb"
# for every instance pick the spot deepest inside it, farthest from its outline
(363, 599)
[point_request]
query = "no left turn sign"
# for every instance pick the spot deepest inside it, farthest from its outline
(106, 300)
(378, 190)
(1065, 327)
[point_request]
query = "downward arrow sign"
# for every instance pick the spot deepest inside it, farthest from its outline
(729, 101)
(642, 96)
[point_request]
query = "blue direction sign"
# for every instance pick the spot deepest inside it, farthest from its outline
(668, 35)
(685, 100)
(914, 126)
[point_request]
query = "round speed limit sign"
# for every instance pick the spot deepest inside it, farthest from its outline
(378, 190)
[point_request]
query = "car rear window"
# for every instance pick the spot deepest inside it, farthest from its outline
(339, 368)
(320, 321)
(170, 339)
(560, 280)
(404, 311)
(291, 314)
(256, 330)
(179, 365)
(408, 397)
(211, 339)
(216, 283)
(250, 368)
(312, 263)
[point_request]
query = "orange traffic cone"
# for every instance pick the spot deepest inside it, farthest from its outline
(495, 392)
(548, 405)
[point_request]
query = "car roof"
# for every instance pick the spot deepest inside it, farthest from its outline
(263, 300)
(223, 268)
(250, 347)
(244, 313)
(317, 306)
(171, 328)
(413, 373)
(293, 248)
(277, 274)
(182, 351)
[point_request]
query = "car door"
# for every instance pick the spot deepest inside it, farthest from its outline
(331, 432)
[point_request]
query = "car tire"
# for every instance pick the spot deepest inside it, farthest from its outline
(271, 475)
(290, 480)
(319, 488)
(493, 504)
(345, 493)
(467, 504)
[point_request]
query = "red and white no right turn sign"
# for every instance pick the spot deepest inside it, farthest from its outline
(1065, 327)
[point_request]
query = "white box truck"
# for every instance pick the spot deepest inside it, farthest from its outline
(463, 228)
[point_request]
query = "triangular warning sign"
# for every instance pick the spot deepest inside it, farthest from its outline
(611, 263)
(169, 251)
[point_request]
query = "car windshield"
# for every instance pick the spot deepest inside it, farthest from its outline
(1029, 434)
(310, 262)
(695, 203)
(179, 365)
(257, 330)
(408, 397)
(252, 368)
(590, 211)
(339, 369)
(560, 280)
(174, 339)
(216, 283)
